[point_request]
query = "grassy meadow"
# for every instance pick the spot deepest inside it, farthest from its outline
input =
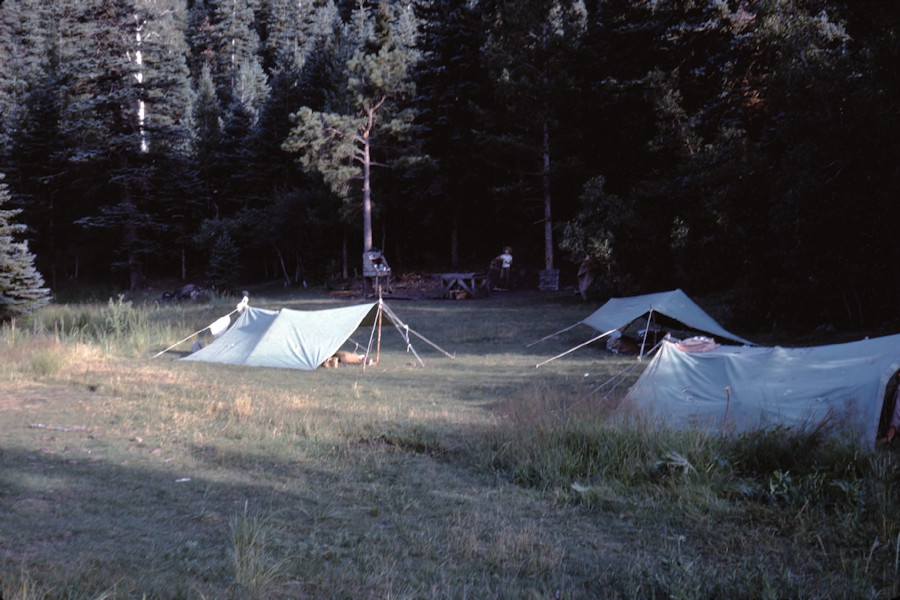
(476, 477)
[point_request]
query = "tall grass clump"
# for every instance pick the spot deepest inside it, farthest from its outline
(793, 467)
(257, 574)
(22, 586)
(547, 441)
(30, 354)
(70, 324)
(121, 326)
(542, 442)
(115, 325)
(47, 359)
(124, 325)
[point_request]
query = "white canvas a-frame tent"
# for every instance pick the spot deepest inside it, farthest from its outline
(734, 389)
(618, 313)
(301, 339)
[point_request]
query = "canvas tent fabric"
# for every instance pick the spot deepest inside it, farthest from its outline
(295, 339)
(742, 388)
(617, 313)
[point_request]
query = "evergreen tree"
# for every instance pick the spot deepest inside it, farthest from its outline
(451, 93)
(127, 97)
(238, 47)
(22, 288)
(243, 90)
(33, 154)
(529, 50)
(207, 138)
(25, 35)
(339, 144)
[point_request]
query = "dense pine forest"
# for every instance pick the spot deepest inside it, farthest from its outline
(747, 149)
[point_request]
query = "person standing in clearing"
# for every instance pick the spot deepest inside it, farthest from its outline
(506, 260)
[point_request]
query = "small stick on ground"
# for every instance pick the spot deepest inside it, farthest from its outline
(58, 427)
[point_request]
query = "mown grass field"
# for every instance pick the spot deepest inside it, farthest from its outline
(475, 477)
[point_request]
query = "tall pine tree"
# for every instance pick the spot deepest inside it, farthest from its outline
(340, 143)
(127, 97)
(451, 91)
(529, 49)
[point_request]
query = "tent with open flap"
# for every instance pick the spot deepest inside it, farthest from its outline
(617, 314)
(296, 339)
(741, 388)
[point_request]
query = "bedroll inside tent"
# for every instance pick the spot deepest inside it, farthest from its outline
(739, 388)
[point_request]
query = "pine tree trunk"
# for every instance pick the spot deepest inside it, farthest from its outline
(548, 219)
(131, 244)
(454, 241)
(345, 256)
(367, 189)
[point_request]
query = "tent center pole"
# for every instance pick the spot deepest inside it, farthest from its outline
(378, 319)
(646, 331)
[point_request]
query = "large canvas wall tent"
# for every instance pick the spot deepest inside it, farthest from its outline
(656, 313)
(302, 339)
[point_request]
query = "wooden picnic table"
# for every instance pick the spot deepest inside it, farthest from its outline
(473, 284)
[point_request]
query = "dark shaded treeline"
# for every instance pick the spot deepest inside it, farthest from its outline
(748, 149)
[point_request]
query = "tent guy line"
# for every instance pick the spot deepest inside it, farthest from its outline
(570, 350)
(217, 327)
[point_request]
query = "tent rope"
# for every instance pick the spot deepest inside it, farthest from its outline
(547, 337)
(622, 374)
(590, 341)
(161, 352)
(239, 308)
(396, 320)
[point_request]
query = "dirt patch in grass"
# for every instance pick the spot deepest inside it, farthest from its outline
(34, 394)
